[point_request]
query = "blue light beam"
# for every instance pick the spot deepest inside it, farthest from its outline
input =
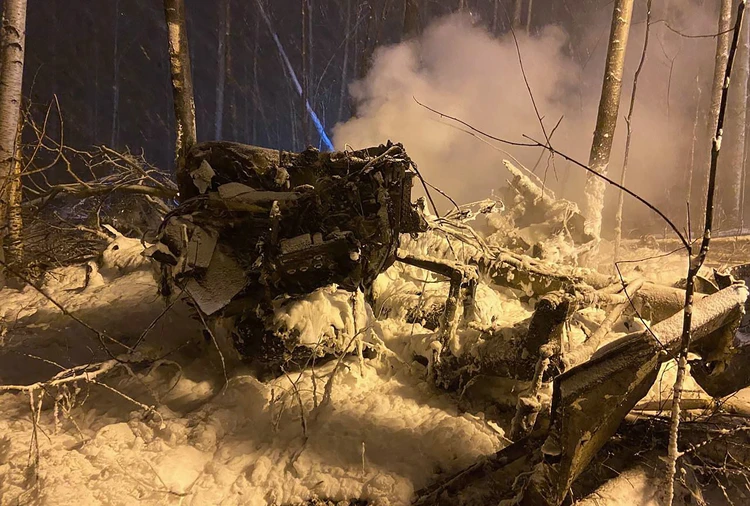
(288, 64)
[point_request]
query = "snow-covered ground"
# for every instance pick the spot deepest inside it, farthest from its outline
(178, 433)
(384, 433)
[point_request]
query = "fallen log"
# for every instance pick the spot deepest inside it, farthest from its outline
(588, 404)
(533, 205)
(585, 351)
(536, 278)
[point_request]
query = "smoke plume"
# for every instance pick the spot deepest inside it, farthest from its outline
(461, 69)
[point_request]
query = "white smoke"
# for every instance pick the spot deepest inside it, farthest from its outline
(462, 70)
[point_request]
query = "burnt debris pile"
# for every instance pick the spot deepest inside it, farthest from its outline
(256, 224)
(282, 255)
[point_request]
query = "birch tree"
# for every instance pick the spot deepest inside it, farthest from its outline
(528, 16)
(517, 9)
(736, 133)
(606, 120)
(722, 54)
(182, 90)
(116, 78)
(628, 140)
(345, 63)
(12, 45)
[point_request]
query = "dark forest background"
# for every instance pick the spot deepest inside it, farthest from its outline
(106, 62)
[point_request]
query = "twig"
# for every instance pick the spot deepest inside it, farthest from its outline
(474, 129)
(303, 418)
(156, 320)
(328, 389)
(144, 407)
(539, 118)
(85, 372)
(689, 36)
(213, 338)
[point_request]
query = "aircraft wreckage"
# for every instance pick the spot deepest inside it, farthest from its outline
(260, 230)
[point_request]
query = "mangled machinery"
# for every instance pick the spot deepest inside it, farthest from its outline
(257, 226)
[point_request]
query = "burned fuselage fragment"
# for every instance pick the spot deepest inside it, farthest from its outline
(258, 224)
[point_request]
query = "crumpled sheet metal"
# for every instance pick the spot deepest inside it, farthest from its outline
(256, 224)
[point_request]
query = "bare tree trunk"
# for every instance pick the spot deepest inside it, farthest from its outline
(373, 28)
(356, 45)
(221, 71)
(411, 19)
(95, 92)
(310, 49)
(528, 17)
(238, 133)
(732, 195)
(629, 122)
(345, 64)
(517, 10)
(362, 65)
(745, 161)
(722, 52)
(13, 44)
(15, 218)
(182, 89)
(115, 79)
(691, 167)
(606, 121)
(257, 102)
(305, 74)
(495, 12)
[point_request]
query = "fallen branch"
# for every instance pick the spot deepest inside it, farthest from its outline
(585, 351)
(79, 190)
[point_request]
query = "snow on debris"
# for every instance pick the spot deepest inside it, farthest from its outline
(385, 432)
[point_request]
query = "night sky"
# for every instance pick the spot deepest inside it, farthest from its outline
(106, 61)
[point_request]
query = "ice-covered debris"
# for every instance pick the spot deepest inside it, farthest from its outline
(421, 299)
(202, 176)
(435, 244)
(123, 255)
(329, 315)
(223, 279)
